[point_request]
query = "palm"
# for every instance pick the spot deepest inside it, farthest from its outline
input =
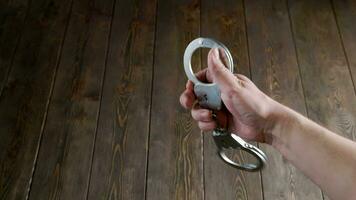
(242, 118)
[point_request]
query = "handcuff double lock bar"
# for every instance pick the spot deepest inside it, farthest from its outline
(208, 95)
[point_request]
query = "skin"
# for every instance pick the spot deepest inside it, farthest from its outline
(328, 159)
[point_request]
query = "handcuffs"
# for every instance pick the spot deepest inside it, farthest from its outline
(208, 95)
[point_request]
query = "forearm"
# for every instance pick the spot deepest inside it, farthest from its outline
(325, 157)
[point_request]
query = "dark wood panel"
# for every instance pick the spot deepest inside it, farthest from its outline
(329, 92)
(12, 18)
(119, 166)
(328, 86)
(275, 71)
(175, 166)
(225, 21)
(64, 160)
(24, 100)
(345, 12)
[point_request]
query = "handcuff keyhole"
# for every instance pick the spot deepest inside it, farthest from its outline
(203, 98)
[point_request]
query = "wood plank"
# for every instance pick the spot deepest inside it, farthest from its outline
(64, 160)
(328, 87)
(175, 166)
(24, 100)
(275, 71)
(119, 166)
(345, 12)
(12, 19)
(225, 21)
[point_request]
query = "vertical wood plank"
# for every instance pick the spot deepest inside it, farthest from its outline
(225, 21)
(24, 100)
(345, 12)
(175, 166)
(64, 160)
(119, 166)
(274, 69)
(12, 19)
(328, 87)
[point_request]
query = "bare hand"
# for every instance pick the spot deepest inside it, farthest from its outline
(247, 112)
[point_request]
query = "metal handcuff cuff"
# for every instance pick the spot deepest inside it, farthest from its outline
(208, 95)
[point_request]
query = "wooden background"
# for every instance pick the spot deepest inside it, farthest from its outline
(89, 94)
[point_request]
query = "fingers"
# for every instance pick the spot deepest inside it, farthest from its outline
(187, 98)
(223, 56)
(204, 115)
(204, 76)
(189, 85)
(201, 75)
(207, 121)
(207, 126)
(220, 74)
(204, 118)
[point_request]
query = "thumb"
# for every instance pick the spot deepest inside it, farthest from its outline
(220, 74)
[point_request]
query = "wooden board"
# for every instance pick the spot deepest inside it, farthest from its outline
(12, 18)
(345, 13)
(325, 74)
(328, 87)
(24, 99)
(175, 166)
(225, 21)
(275, 71)
(119, 166)
(89, 94)
(64, 160)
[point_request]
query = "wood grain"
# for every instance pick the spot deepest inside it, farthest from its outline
(24, 100)
(328, 86)
(225, 21)
(119, 166)
(345, 13)
(329, 92)
(275, 71)
(64, 160)
(175, 166)
(89, 94)
(12, 19)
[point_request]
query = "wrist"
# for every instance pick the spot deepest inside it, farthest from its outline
(280, 125)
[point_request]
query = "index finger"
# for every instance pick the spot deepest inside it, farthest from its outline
(187, 98)
(204, 76)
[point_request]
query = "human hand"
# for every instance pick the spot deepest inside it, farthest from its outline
(248, 112)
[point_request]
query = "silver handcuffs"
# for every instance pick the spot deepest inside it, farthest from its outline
(208, 95)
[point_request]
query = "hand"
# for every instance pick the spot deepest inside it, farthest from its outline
(248, 112)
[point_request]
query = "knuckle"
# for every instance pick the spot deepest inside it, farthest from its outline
(193, 113)
(207, 115)
(231, 93)
(201, 126)
(184, 103)
(182, 100)
(204, 126)
(241, 76)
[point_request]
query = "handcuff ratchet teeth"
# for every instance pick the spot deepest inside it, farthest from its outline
(208, 95)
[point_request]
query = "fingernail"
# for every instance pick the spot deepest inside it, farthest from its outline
(216, 53)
